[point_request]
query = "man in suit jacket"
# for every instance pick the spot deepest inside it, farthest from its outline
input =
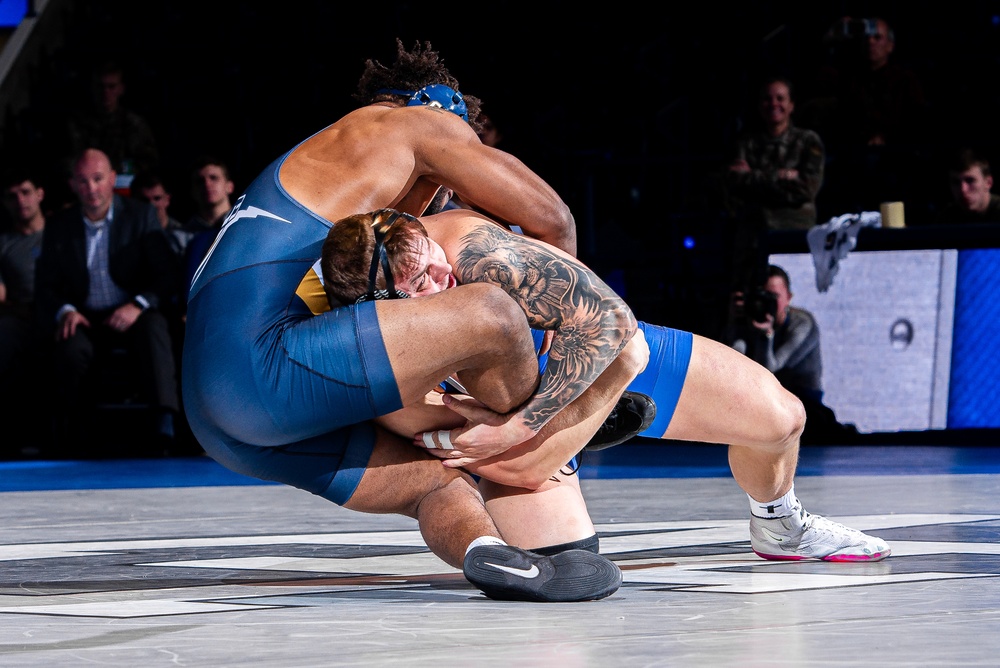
(103, 280)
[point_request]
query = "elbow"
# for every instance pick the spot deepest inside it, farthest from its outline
(635, 356)
(619, 320)
(566, 226)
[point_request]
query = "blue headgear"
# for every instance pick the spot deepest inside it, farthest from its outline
(434, 95)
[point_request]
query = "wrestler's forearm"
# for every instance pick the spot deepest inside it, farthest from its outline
(530, 464)
(574, 365)
(556, 292)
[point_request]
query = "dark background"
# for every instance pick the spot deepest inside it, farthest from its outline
(628, 109)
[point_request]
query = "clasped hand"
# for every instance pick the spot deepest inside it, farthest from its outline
(485, 434)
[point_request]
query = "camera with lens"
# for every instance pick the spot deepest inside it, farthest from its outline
(857, 28)
(759, 304)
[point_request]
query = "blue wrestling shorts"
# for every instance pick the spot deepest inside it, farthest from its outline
(663, 377)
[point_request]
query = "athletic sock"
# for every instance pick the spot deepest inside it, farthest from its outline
(783, 507)
(485, 540)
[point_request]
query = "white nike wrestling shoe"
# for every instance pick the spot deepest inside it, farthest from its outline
(508, 573)
(805, 536)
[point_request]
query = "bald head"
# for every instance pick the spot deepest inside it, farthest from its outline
(93, 182)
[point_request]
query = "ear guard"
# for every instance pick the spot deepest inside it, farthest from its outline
(379, 256)
(435, 95)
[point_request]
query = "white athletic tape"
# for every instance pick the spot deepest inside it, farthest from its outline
(444, 438)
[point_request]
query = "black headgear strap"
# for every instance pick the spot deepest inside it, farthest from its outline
(379, 256)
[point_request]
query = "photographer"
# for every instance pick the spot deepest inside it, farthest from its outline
(785, 340)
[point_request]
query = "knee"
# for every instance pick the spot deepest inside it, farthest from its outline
(501, 321)
(790, 418)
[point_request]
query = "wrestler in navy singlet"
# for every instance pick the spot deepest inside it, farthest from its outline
(270, 389)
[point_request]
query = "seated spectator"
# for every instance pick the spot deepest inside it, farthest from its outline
(102, 278)
(149, 187)
(212, 188)
(20, 345)
(970, 179)
(785, 339)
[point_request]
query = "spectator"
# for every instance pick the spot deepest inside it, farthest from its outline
(104, 274)
(772, 181)
(22, 197)
(778, 168)
(20, 347)
(124, 135)
(971, 181)
(870, 109)
(149, 187)
(212, 187)
(786, 340)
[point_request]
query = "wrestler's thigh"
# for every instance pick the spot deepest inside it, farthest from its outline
(728, 398)
(398, 477)
(553, 514)
(476, 329)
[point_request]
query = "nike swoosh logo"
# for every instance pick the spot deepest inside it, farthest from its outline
(775, 537)
(522, 572)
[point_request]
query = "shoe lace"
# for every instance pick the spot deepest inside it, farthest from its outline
(827, 526)
(611, 422)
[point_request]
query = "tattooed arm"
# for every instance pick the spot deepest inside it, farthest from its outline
(556, 292)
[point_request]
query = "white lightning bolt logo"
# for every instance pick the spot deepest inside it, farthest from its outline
(236, 214)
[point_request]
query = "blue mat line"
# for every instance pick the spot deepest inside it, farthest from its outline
(634, 460)
(650, 459)
(36, 475)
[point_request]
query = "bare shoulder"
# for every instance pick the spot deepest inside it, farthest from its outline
(361, 162)
(455, 223)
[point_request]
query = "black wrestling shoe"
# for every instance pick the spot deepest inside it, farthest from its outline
(506, 573)
(633, 414)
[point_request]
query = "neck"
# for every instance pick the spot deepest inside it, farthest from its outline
(94, 215)
(778, 128)
(34, 224)
(216, 211)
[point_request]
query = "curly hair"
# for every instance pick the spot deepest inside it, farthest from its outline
(349, 246)
(412, 70)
